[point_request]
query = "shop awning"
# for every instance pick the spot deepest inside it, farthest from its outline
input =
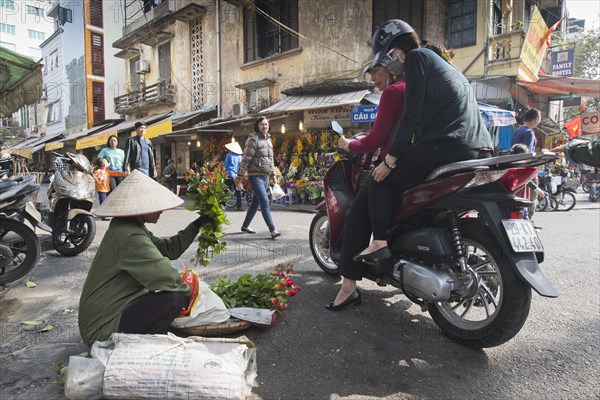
(562, 86)
(311, 102)
(99, 139)
(90, 131)
(494, 116)
(20, 81)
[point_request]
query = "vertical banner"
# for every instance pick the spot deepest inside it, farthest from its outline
(562, 62)
(534, 47)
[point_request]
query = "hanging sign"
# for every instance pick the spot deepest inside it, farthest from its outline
(363, 113)
(322, 117)
(590, 123)
(562, 62)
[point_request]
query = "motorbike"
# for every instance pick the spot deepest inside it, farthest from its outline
(19, 245)
(71, 197)
(460, 246)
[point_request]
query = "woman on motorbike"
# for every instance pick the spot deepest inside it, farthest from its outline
(357, 233)
(441, 108)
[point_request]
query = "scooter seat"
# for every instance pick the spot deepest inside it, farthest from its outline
(4, 186)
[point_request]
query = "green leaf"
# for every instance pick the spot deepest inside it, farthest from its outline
(30, 284)
(47, 328)
(34, 322)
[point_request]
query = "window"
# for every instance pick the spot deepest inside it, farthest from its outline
(410, 11)
(35, 11)
(53, 112)
(498, 18)
(65, 15)
(263, 38)
(5, 28)
(96, 13)
(8, 4)
(54, 60)
(134, 79)
(164, 62)
(98, 102)
(36, 35)
(462, 23)
(97, 54)
(258, 99)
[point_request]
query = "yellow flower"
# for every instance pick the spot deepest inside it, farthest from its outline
(309, 139)
(299, 146)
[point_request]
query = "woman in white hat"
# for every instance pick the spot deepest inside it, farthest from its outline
(233, 160)
(131, 286)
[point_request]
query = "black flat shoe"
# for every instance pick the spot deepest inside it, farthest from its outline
(375, 257)
(354, 298)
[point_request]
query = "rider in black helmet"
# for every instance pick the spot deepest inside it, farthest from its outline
(440, 107)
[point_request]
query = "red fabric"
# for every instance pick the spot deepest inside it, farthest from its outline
(391, 107)
(573, 126)
(190, 279)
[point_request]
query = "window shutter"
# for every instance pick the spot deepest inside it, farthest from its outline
(97, 54)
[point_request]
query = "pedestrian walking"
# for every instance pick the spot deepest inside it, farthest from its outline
(139, 153)
(115, 157)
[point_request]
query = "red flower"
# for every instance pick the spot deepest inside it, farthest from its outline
(298, 288)
(292, 293)
(282, 306)
(289, 282)
(209, 175)
(278, 286)
(203, 186)
(274, 300)
(215, 180)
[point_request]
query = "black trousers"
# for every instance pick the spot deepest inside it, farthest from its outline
(238, 193)
(371, 210)
(152, 313)
(114, 182)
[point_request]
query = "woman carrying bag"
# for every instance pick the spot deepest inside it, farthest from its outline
(257, 163)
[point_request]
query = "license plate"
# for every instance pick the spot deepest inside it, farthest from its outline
(522, 235)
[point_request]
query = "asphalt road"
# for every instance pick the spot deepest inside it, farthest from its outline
(385, 349)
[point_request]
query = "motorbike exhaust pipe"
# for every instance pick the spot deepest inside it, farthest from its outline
(424, 282)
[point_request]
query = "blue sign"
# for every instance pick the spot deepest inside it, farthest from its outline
(363, 113)
(562, 62)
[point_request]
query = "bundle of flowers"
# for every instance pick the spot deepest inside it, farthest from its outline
(208, 192)
(269, 291)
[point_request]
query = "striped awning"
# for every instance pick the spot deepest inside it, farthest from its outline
(311, 102)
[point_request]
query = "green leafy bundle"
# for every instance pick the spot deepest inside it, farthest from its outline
(270, 291)
(208, 191)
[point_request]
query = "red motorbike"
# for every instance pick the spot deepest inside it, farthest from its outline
(461, 248)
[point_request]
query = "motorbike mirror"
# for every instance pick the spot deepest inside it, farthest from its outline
(337, 128)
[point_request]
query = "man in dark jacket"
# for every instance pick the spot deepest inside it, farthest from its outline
(139, 153)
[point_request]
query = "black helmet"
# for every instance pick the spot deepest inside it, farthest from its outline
(385, 35)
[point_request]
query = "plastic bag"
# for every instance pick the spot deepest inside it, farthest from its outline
(84, 379)
(277, 192)
(205, 306)
(191, 279)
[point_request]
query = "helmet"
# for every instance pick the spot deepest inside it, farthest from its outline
(385, 35)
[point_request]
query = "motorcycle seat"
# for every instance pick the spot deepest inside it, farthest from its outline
(493, 163)
(4, 186)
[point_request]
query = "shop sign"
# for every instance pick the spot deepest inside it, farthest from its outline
(590, 123)
(156, 130)
(94, 141)
(54, 145)
(562, 62)
(322, 117)
(26, 152)
(360, 114)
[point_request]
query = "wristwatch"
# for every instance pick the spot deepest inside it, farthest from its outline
(387, 164)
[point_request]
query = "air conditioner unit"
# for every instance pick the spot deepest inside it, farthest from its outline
(240, 109)
(141, 67)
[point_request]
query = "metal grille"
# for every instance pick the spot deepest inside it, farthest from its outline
(197, 75)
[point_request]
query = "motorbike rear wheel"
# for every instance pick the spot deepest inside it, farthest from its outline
(19, 250)
(318, 237)
(78, 238)
(542, 204)
(501, 306)
(587, 185)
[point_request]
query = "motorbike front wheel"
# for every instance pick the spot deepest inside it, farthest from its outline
(501, 306)
(542, 204)
(77, 238)
(19, 250)
(318, 237)
(587, 185)
(565, 201)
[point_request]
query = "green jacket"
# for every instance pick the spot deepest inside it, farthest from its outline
(130, 262)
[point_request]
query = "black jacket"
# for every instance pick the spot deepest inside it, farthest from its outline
(133, 154)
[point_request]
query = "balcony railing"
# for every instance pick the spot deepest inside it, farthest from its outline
(506, 47)
(159, 94)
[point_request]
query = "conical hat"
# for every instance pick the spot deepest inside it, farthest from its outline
(137, 194)
(234, 147)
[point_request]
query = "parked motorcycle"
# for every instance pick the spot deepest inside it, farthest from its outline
(474, 275)
(19, 245)
(71, 197)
